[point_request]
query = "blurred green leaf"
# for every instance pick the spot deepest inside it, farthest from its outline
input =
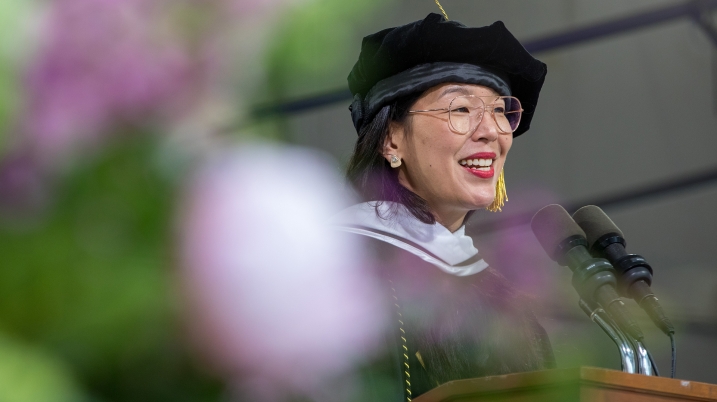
(95, 282)
(317, 45)
(28, 374)
(16, 42)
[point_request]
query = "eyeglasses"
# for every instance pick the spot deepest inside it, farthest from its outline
(466, 112)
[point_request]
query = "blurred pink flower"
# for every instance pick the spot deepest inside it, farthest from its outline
(282, 298)
(102, 62)
(514, 250)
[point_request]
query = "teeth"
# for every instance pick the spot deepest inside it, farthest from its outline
(483, 163)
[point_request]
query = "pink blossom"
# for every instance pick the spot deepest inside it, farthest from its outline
(102, 63)
(281, 298)
(514, 249)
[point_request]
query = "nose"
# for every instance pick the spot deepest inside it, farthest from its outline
(486, 130)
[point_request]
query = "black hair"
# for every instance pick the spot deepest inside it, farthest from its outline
(369, 171)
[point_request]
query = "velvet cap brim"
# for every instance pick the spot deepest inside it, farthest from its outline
(415, 57)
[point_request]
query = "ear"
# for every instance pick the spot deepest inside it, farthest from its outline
(395, 140)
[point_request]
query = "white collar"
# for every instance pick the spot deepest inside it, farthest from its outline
(453, 253)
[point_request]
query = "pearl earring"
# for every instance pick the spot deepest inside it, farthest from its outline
(395, 161)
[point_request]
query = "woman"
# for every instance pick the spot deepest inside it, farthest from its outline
(436, 106)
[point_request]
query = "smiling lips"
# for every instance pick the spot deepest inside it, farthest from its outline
(480, 164)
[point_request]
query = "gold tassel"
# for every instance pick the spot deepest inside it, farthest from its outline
(501, 196)
(442, 10)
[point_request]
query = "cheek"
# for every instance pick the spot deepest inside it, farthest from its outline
(506, 144)
(431, 153)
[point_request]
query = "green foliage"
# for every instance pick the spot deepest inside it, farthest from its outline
(317, 46)
(9, 94)
(15, 26)
(94, 283)
(31, 375)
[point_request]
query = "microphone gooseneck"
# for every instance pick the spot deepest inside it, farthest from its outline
(628, 358)
(593, 278)
(606, 240)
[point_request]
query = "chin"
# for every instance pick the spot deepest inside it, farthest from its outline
(481, 203)
(482, 198)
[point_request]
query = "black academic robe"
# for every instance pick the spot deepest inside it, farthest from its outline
(446, 327)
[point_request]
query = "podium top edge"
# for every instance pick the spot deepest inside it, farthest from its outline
(576, 378)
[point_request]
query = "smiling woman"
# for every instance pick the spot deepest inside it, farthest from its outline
(451, 153)
(436, 107)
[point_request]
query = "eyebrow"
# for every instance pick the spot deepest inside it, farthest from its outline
(455, 89)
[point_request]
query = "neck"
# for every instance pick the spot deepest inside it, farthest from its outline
(452, 220)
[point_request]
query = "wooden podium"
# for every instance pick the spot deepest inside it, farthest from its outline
(571, 385)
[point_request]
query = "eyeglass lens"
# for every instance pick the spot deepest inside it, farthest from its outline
(466, 112)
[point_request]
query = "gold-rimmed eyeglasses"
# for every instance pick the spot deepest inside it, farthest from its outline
(465, 112)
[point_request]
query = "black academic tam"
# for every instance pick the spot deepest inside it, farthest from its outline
(414, 57)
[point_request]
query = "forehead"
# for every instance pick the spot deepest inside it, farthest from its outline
(450, 90)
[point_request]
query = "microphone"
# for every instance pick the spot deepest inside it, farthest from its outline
(593, 278)
(634, 273)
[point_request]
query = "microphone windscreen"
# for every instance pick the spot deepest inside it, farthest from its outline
(595, 223)
(551, 225)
